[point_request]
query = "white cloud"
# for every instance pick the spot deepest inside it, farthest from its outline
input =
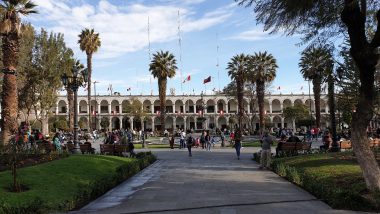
(253, 35)
(122, 29)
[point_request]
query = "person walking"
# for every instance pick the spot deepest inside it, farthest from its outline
(182, 139)
(171, 142)
(237, 139)
(202, 139)
(266, 143)
(189, 142)
(208, 141)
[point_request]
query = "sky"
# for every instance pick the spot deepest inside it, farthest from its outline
(211, 33)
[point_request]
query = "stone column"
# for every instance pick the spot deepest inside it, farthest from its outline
(110, 126)
(174, 123)
(270, 107)
(131, 121)
(282, 122)
(185, 124)
(184, 108)
(109, 108)
(173, 108)
(281, 107)
(226, 109)
(152, 108)
(153, 123)
(56, 109)
(216, 121)
(294, 125)
(121, 121)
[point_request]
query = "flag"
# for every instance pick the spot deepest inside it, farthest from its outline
(128, 89)
(208, 79)
(187, 79)
(278, 88)
(301, 88)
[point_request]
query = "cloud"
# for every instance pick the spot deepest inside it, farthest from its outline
(123, 29)
(253, 35)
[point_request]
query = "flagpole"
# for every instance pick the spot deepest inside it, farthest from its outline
(180, 50)
(150, 59)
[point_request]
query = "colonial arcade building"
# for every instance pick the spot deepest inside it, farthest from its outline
(182, 112)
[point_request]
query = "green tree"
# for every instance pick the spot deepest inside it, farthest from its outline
(10, 30)
(136, 110)
(162, 67)
(238, 70)
(89, 41)
(325, 19)
(262, 70)
(297, 112)
(105, 122)
(313, 64)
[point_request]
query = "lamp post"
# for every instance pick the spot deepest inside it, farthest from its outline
(96, 107)
(144, 132)
(311, 113)
(79, 78)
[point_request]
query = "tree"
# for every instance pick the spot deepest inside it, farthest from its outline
(262, 69)
(136, 110)
(163, 66)
(237, 70)
(89, 41)
(10, 30)
(105, 122)
(297, 112)
(325, 19)
(313, 64)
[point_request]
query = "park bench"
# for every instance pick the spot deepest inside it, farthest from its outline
(119, 149)
(346, 144)
(86, 148)
(69, 147)
(106, 148)
(294, 148)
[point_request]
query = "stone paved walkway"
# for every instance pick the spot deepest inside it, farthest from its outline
(208, 182)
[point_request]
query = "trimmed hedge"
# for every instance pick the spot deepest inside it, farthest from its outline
(334, 178)
(85, 190)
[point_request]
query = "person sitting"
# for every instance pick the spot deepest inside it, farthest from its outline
(90, 149)
(293, 138)
(279, 145)
(327, 140)
(131, 149)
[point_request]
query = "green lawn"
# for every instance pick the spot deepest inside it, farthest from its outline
(62, 183)
(335, 178)
(155, 146)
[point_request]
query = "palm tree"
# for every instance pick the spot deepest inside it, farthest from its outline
(262, 69)
(89, 41)
(10, 30)
(313, 68)
(162, 66)
(237, 70)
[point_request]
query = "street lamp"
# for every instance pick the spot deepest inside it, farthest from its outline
(79, 78)
(96, 106)
(144, 132)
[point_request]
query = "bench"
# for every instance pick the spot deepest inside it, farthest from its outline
(69, 147)
(346, 144)
(86, 148)
(293, 148)
(106, 148)
(120, 148)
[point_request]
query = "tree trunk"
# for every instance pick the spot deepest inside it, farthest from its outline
(366, 57)
(162, 94)
(70, 99)
(9, 103)
(89, 67)
(331, 96)
(44, 125)
(260, 90)
(317, 100)
(239, 87)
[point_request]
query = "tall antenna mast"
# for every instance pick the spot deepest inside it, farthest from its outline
(180, 50)
(217, 60)
(150, 58)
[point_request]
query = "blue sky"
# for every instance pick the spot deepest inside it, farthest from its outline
(123, 58)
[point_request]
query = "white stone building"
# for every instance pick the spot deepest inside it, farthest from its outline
(183, 111)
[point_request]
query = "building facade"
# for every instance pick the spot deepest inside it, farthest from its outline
(183, 112)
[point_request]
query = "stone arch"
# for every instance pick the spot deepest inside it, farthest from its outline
(222, 123)
(190, 123)
(126, 123)
(147, 106)
(83, 107)
(83, 123)
(232, 106)
(266, 106)
(298, 102)
(93, 107)
(115, 107)
(169, 123)
(125, 106)
(179, 106)
(276, 106)
(210, 106)
(157, 123)
(211, 122)
(169, 106)
(323, 106)
(221, 105)
(156, 106)
(189, 106)
(115, 123)
(277, 121)
(245, 106)
(180, 123)
(198, 106)
(104, 108)
(137, 123)
(286, 103)
(62, 107)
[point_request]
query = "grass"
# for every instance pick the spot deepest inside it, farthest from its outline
(155, 146)
(335, 178)
(58, 182)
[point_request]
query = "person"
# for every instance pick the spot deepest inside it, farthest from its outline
(279, 145)
(327, 140)
(131, 149)
(171, 142)
(202, 139)
(293, 138)
(57, 142)
(207, 141)
(232, 138)
(166, 133)
(237, 138)
(189, 142)
(90, 148)
(213, 141)
(222, 138)
(182, 139)
(266, 143)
